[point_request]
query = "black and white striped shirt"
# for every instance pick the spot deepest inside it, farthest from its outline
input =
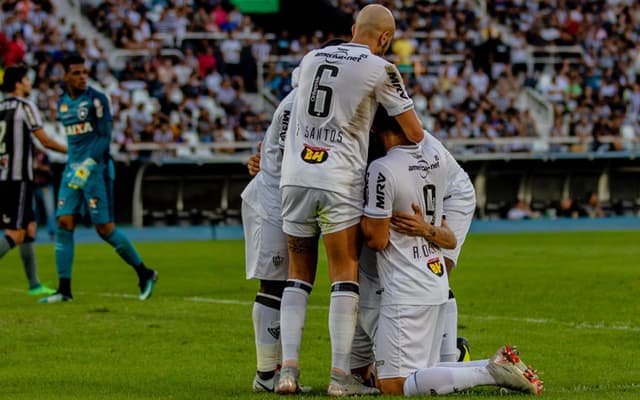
(18, 119)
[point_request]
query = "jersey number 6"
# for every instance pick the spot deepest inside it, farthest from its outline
(319, 107)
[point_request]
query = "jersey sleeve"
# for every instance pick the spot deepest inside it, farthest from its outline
(390, 91)
(379, 192)
(282, 118)
(32, 116)
(101, 142)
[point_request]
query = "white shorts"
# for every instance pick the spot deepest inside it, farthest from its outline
(459, 222)
(408, 339)
(308, 212)
(266, 253)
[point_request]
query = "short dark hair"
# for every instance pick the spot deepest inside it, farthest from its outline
(72, 59)
(333, 42)
(382, 122)
(12, 76)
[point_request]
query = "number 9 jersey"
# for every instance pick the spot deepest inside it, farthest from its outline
(339, 91)
(412, 270)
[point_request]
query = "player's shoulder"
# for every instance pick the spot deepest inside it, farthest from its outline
(94, 93)
(431, 141)
(26, 102)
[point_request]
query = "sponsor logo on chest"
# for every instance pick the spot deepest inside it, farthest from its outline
(78, 129)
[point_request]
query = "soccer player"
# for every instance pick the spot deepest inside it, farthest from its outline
(87, 182)
(265, 243)
(413, 277)
(266, 255)
(322, 182)
(19, 119)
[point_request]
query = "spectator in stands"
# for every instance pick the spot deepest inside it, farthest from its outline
(521, 210)
(593, 207)
(568, 208)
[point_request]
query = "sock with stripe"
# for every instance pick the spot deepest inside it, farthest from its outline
(266, 326)
(293, 313)
(343, 315)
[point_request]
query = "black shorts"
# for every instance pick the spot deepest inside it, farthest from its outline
(16, 204)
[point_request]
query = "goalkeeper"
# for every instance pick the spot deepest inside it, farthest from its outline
(87, 181)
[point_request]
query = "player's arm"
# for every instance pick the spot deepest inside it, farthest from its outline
(411, 125)
(391, 93)
(104, 125)
(253, 164)
(415, 225)
(49, 142)
(378, 206)
(375, 232)
(34, 122)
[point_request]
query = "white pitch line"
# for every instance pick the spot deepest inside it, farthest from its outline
(538, 321)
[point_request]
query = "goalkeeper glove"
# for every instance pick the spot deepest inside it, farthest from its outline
(81, 174)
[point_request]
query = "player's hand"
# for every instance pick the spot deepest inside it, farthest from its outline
(254, 162)
(81, 174)
(411, 224)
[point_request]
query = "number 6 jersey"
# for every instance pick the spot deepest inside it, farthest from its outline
(327, 141)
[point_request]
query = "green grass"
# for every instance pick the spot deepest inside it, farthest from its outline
(570, 301)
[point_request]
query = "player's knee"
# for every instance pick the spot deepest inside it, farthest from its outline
(104, 229)
(391, 386)
(17, 236)
(66, 222)
(273, 288)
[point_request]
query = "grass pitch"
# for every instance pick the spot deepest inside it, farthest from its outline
(570, 301)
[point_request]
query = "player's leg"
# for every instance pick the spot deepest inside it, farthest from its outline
(28, 256)
(459, 221)
(303, 259)
(70, 203)
(408, 339)
(298, 213)
(266, 327)
(266, 259)
(99, 198)
(12, 215)
(504, 369)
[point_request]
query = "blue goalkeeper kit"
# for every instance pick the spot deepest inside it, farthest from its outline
(87, 181)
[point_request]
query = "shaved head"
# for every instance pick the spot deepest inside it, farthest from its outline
(375, 18)
(375, 27)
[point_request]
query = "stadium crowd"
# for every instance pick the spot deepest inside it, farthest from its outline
(464, 71)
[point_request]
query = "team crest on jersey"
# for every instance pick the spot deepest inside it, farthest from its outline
(277, 260)
(83, 111)
(314, 154)
(435, 266)
(64, 108)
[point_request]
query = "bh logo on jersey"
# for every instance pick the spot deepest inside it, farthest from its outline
(314, 155)
(435, 266)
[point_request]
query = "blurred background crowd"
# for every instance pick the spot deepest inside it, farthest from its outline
(558, 76)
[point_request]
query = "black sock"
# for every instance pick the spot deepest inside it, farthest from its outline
(65, 287)
(12, 244)
(266, 375)
(143, 272)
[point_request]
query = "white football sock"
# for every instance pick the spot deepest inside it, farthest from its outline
(445, 380)
(449, 349)
(266, 326)
(293, 312)
(343, 315)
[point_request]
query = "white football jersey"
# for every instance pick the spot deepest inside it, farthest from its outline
(459, 194)
(339, 90)
(412, 270)
(263, 192)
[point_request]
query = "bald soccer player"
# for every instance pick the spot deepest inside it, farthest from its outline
(322, 183)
